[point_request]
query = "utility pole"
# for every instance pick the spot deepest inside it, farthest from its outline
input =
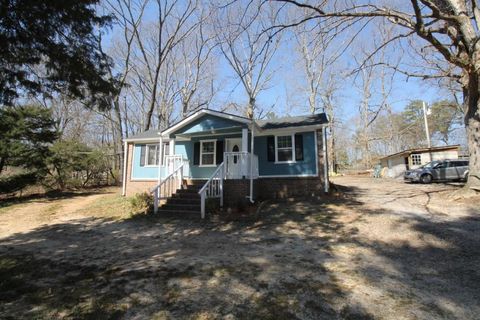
(427, 132)
(426, 124)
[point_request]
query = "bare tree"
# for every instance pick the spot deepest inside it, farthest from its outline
(249, 50)
(322, 73)
(444, 31)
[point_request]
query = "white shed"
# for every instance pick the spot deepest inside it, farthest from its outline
(396, 164)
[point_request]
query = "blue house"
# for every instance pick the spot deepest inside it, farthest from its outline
(213, 154)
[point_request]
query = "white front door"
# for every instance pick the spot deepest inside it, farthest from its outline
(233, 162)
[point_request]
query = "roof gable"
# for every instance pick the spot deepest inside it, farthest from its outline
(208, 123)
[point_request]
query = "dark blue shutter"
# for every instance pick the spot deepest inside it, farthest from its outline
(219, 155)
(196, 153)
(299, 147)
(271, 149)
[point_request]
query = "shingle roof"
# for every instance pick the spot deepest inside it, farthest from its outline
(298, 121)
(279, 123)
(146, 135)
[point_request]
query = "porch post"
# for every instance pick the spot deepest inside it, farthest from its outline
(245, 140)
(172, 147)
(124, 179)
(251, 160)
(160, 146)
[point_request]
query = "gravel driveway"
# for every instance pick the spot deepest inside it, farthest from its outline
(377, 249)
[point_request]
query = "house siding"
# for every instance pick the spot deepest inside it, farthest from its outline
(306, 167)
(144, 172)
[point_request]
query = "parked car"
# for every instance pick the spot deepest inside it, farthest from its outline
(444, 170)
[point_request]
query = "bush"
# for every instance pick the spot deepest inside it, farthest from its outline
(17, 182)
(141, 204)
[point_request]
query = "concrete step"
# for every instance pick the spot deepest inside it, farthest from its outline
(186, 195)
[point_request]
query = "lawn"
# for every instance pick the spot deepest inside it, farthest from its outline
(340, 258)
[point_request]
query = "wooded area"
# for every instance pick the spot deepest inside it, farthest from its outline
(100, 71)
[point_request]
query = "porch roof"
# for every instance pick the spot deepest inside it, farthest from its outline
(218, 131)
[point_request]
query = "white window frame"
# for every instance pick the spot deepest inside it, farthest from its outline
(419, 159)
(214, 153)
(294, 160)
(147, 151)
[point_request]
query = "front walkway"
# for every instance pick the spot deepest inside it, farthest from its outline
(376, 253)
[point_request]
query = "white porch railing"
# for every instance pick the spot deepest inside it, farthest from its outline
(237, 165)
(213, 188)
(168, 186)
(174, 161)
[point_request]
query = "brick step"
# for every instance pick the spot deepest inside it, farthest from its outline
(180, 200)
(186, 195)
(180, 207)
(188, 190)
(194, 182)
(179, 213)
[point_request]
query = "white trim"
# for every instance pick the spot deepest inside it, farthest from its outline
(200, 113)
(244, 140)
(227, 142)
(147, 140)
(294, 160)
(214, 153)
(146, 165)
(124, 175)
(289, 176)
(316, 153)
(325, 160)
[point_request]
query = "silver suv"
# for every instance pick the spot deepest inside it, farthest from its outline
(445, 170)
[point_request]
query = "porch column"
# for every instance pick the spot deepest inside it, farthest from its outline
(245, 140)
(172, 147)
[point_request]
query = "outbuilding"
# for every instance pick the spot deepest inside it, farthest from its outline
(396, 164)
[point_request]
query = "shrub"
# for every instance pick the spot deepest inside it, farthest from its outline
(141, 204)
(17, 182)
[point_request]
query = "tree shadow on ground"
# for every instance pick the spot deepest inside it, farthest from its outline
(51, 196)
(433, 272)
(270, 268)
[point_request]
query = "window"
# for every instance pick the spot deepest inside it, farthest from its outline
(284, 148)
(416, 159)
(152, 154)
(207, 152)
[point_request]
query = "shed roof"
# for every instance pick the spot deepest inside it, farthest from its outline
(422, 150)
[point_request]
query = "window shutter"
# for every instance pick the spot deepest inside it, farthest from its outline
(142, 155)
(219, 155)
(271, 148)
(196, 153)
(299, 147)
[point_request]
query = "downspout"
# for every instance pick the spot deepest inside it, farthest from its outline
(325, 159)
(251, 162)
(124, 180)
(160, 158)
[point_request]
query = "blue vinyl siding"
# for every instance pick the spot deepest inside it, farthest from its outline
(143, 173)
(185, 148)
(306, 167)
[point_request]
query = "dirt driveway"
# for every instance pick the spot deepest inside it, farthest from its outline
(380, 249)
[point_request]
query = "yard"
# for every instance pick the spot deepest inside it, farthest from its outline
(380, 249)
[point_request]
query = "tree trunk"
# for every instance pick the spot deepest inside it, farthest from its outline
(472, 125)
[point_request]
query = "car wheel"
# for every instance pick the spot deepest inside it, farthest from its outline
(426, 178)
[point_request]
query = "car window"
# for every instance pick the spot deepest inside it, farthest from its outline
(440, 165)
